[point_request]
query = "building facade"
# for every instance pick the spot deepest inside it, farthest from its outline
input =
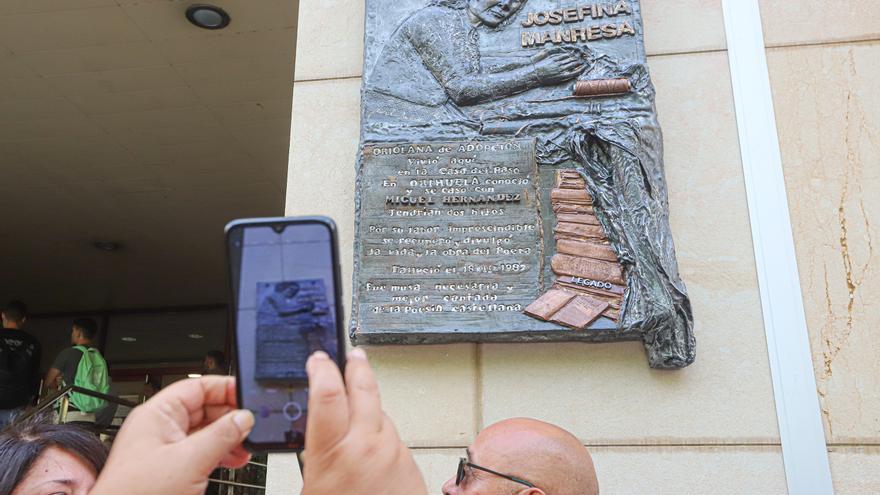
(711, 427)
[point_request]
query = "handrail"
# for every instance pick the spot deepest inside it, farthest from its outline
(62, 395)
(108, 398)
(236, 483)
(48, 402)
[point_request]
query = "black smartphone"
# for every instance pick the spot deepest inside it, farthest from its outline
(285, 305)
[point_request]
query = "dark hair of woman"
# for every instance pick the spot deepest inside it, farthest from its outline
(21, 443)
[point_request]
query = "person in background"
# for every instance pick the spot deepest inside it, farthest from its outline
(105, 415)
(214, 363)
(151, 387)
(67, 364)
(38, 457)
(20, 355)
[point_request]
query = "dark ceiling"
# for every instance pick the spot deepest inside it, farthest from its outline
(122, 122)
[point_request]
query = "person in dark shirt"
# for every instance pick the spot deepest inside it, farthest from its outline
(214, 363)
(151, 387)
(20, 356)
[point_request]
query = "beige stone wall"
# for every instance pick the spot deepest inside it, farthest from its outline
(710, 428)
(824, 66)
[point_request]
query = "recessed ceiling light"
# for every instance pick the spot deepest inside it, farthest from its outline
(196, 336)
(128, 339)
(207, 16)
(108, 246)
(194, 375)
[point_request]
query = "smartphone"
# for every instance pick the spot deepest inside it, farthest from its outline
(285, 305)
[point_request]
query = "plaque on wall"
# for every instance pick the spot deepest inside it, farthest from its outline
(510, 179)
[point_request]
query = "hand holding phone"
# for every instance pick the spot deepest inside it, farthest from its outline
(172, 442)
(284, 275)
(353, 447)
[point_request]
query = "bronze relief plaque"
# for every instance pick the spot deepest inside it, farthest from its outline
(510, 179)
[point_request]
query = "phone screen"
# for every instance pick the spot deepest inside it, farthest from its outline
(285, 302)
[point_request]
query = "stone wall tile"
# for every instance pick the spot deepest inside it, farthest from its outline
(330, 39)
(826, 103)
(282, 475)
(429, 391)
(682, 26)
(323, 146)
(855, 470)
(793, 22)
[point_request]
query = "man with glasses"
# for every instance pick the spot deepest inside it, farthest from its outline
(524, 457)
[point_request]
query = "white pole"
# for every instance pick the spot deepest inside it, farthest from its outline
(801, 432)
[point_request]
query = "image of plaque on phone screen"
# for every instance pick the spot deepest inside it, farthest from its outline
(285, 293)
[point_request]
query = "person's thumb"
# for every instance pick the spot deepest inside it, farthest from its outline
(213, 442)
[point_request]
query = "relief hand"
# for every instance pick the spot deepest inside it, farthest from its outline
(557, 68)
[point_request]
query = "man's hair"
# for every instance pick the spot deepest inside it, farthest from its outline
(218, 357)
(15, 311)
(21, 443)
(88, 327)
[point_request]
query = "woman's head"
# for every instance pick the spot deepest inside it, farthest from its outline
(41, 458)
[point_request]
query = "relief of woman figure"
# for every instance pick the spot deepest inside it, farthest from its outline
(431, 65)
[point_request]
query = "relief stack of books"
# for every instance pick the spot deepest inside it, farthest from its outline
(589, 279)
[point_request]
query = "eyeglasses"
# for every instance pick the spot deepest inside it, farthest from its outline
(463, 463)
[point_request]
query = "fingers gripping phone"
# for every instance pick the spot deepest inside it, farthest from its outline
(285, 305)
